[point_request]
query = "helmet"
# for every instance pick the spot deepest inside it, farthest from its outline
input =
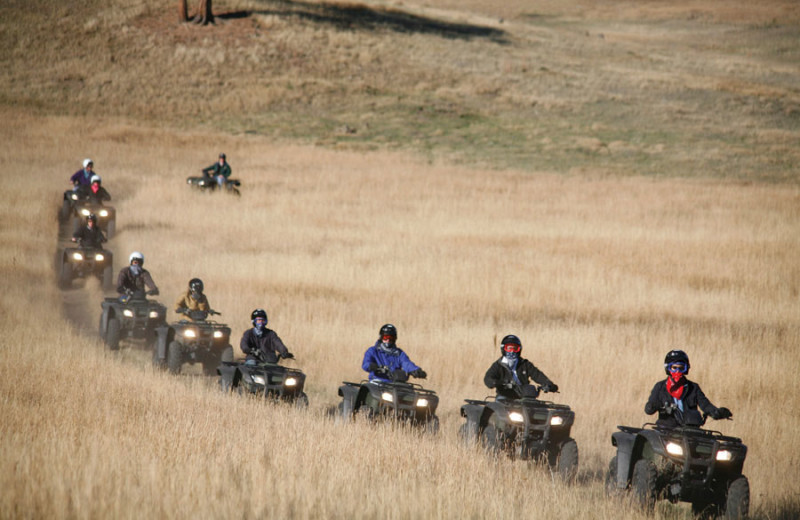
(91, 218)
(136, 255)
(511, 339)
(222, 156)
(676, 356)
(389, 330)
(258, 313)
(196, 285)
(95, 178)
(87, 162)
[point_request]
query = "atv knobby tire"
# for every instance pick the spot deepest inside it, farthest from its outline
(491, 439)
(65, 275)
(108, 278)
(645, 475)
(210, 365)
(737, 504)
(301, 401)
(174, 357)
(112, 334)
(467, 435)
(432, 426)
(65, 211)
(566, 464)
(611, 478)
(111, 229)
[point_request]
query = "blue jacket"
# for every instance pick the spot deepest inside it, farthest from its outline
(81, 177)
(395, 360)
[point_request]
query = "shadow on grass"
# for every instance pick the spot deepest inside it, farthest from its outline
(360, 17)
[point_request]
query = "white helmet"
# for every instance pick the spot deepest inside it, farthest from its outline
(87, 162)
(95, 178)
(136, 255)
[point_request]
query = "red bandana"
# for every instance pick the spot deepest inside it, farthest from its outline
(95, 188)
(675, 388)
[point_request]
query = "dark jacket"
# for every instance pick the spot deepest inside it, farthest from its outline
(126, 281)
(91, 238)
(215, 169)
(394, 359)
(499, 374)
(268, 343)
(86, 193)
(82, 177)
(692, 398)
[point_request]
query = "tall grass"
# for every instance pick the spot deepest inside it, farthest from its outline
(600, 276)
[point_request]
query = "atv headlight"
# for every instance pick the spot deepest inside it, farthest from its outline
(556, 421)
(724, 455)
(674, 449)
(218, 334)
(73, 196)
(99, 257)
(85, 212)
(189, 333)
(386, 396)
(516, 417)
(153, 314)
(103, 212)
(77, 256)
(127, 313)
(422, 403)
(290, 381)
(258, 379)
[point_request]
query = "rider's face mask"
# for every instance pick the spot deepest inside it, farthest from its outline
(511, 351)
(677, 371)
(387, 340)
(136, 268)
(259, 323)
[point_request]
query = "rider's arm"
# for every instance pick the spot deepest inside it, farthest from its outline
(703, 403)
(277, 345)
(181, 303)
(369, 358)
(121, 280)
(654, 403)
(494, 376)
(537, 375)
(244, 344)
(148, 281)
(406, 364)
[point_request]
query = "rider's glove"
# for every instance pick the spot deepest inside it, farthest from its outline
(399, 375)
(181, 310)
(373, 367)
(668, 408)
(288, 355)
(508, 385)
(551, 387)
(419, 374)
(152, 292)
(722, 413)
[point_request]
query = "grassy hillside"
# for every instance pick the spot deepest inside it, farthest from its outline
(606, 180)
(630, 88)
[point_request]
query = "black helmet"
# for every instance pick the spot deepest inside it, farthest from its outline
(510, 339)
(258, 313)
(388, 330)
(222, 156)
(676, 356)
(196, 285)
(91, 218)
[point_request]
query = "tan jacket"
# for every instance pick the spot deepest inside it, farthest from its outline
(188, 302)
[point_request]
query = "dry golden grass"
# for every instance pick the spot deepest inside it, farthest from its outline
(600, 276)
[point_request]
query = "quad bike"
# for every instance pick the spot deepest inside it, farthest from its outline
(209, 183)
(683, 464)
(524, 427)
(396, 400)
(82, 262)
(131, 316)
(75, 208)
(269, 380)
(196, 340)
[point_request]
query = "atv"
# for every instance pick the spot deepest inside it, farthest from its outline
(523, 427)
(76, 208)
(682, 464)
(131, 316)
(193, 340)
(209, 183)
(81, 262)
(269, 380)
(396, 400)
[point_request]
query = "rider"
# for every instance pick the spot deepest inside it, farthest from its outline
(83, 177)
(90, 236)
(135, 278)
(220, 170)
(261, 343)
(385, 361)
(194, 299)
(95, 192)
(512, 372)
(676, 396)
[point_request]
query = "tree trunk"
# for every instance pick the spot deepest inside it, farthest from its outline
(204, 14)
(183, 11)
